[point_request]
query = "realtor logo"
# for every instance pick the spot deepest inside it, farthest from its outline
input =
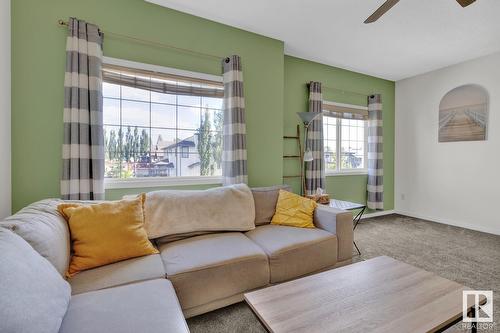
(483, 313)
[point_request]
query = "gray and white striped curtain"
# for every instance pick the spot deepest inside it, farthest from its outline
(234, 154)
(315, 170)
(83, 145)
(375, 187)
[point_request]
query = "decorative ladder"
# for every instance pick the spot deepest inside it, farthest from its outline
(299, 157)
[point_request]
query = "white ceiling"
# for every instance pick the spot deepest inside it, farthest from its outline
(414, 37)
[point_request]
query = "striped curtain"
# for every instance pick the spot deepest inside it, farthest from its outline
(315, 170)
(234, 155)
(375, 186)
(83, 145)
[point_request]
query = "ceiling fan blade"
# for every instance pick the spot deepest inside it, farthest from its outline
(465, 3)
(382, 10)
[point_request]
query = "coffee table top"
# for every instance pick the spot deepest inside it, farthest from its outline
(377, 295)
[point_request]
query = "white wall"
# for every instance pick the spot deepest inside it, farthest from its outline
(456, 183)
(5, 184)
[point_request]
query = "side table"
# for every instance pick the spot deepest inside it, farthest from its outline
(347, 205)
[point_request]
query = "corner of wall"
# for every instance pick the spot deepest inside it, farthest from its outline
(444, 182)
(5, 107)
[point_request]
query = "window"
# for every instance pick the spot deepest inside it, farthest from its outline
(185, 151)
(161, 122)
(345, 138)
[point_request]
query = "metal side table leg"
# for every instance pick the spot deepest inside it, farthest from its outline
(356, 220)
(357, 249)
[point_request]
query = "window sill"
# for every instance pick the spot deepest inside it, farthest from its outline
(110, 184)
(347, 173)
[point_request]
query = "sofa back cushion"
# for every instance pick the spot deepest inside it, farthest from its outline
(265, 199)
(41, 225)
(33, 295)
(174, 212)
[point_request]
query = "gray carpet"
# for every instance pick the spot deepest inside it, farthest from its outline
(468, 257)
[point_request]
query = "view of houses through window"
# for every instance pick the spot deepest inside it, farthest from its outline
(345, 141)
(161, 126)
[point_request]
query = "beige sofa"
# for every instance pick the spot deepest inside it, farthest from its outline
(193, 274)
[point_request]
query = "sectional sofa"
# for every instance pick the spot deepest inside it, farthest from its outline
(194, 273)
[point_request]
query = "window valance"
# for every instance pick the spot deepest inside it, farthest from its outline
(161, 82)
(345, 111)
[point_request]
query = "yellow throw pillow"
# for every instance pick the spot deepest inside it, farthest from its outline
(294, 210)
(106, 232)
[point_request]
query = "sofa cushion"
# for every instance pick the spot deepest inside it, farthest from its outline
(171, 212)
(294, 210)
(119, 273)
(149, 306)
(210, 267)
(41, 225)
(33, 295)
(294, 252)
(265, 199)
(106, 232)
(176, 237)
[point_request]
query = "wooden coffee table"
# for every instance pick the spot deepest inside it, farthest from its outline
(377, 295)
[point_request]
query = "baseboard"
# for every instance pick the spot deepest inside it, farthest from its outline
(375, 214)
(489, 230)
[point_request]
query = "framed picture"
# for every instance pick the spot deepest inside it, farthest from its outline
(463, 114)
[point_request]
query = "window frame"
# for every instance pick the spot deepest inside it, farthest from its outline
(185, 152)
(144, 182)
(345, 172)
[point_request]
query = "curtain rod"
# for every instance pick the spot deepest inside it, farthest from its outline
(344, 91)
(145, 41)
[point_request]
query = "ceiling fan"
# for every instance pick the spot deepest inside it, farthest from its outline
(391, 3)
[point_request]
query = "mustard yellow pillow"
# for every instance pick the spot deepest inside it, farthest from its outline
(106, 232)
(294, 210)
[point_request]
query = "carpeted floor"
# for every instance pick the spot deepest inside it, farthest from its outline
(468, 257)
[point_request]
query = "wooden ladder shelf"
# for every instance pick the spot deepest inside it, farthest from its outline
(296, 137)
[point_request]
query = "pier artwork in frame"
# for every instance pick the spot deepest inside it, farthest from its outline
(463, 114)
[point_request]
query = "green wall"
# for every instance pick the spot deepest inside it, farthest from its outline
(298, 73)
(38, 61)
(275, 88)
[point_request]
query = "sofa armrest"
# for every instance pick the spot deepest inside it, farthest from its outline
(338, 222)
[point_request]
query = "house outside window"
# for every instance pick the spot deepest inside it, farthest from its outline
(345, 138)
(160, 123)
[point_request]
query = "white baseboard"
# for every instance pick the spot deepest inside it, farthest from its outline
(489, 230)
(375, 214)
